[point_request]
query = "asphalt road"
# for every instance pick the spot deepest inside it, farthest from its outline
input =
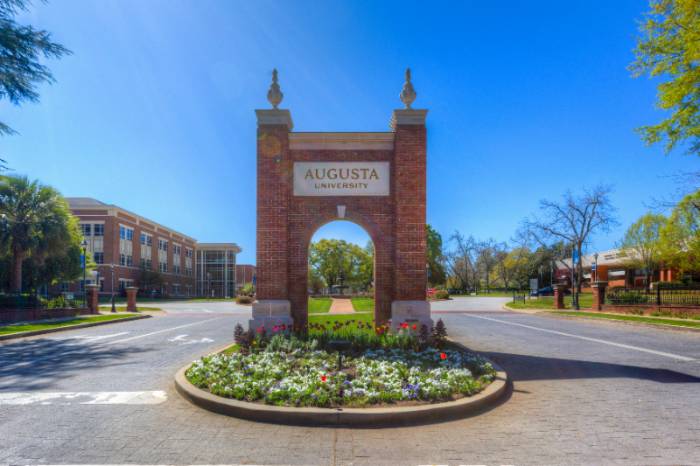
(584, 392)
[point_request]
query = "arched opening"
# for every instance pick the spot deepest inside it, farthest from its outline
(341, 273)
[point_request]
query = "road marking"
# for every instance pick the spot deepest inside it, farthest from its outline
(163, 330)
(185, 341)
(83, 398)
(581, 337)
(89, 337)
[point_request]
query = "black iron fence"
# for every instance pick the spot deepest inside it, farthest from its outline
(33, 301)
(659, 296)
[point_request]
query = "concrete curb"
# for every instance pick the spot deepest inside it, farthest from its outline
(32, 333)
(551, 313)
(356, 417)
(661, 326)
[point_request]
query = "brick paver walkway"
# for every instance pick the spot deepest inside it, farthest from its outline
(341, 306)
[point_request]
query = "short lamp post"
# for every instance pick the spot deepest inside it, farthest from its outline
(84, 261)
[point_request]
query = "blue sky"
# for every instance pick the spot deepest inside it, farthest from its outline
(154, 109)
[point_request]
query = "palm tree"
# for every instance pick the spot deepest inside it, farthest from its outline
(34, 221)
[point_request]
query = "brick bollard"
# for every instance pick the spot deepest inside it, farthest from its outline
(599, 295)
(559, 295)
(93, 302)
(131, 298)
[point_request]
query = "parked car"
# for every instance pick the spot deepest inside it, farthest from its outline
(545, 291)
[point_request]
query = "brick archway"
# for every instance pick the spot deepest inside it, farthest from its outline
(376, 230)
(305, 180)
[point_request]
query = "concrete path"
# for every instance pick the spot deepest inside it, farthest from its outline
(584, 392)
(341, 306)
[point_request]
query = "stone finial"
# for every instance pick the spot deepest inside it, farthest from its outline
(274, 95)
(408, 94)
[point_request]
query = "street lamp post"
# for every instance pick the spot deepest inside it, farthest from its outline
(114, 308)
(595, 261)
(84, 246)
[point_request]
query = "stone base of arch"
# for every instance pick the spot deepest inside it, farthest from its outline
(271, 313)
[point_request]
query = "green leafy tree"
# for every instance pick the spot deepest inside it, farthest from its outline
(36, 226)
(337, 260)
(316, 282)
(642, 243)
(436, 260)
(680, 237)
(669, 48)
(22, 50)
(150, 279)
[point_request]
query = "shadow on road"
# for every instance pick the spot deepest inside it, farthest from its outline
(522, 367)
(38, 364)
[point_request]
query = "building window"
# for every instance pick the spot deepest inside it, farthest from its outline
(86, 229)
(176, 269)
(99, 229)
(126, 260)
(162, 245)
(146, 239)
(99, 257)
(188, 252)
(176, 249)
(126, 233)
(146, 264)
(163, 267)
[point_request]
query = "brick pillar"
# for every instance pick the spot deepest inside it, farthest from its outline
(409, 185)
(274, 173)
(559, 295)
(131, 298)
(93, 301)
(599, 295)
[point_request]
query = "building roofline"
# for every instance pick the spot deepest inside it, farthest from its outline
(226, 246)
(99, 205)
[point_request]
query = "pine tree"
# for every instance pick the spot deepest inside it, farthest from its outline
(22, 49)
(439, 334)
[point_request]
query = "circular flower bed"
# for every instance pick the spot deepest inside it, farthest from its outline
(293, 372)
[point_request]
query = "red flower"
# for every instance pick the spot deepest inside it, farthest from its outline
(443, 356)
(324, 378)
(415, 326)
(261, 329)
(404, 325)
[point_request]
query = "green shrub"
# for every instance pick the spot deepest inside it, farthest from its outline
(248, 290)
(442, 294)
(242, 299)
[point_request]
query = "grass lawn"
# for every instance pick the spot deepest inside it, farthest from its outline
(319, 305)
(547, 302)
(121, 308)
(631, 318)
(14, 328)
(363, 304)
(330, 319)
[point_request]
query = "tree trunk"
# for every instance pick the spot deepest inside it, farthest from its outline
(17, 258)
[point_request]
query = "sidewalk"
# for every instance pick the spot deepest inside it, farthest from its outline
(341, 306)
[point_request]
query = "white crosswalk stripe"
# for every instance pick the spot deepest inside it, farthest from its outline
(83, 398)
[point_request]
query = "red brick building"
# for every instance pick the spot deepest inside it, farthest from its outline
(245, 273)
(613, 266)
(124, 244)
